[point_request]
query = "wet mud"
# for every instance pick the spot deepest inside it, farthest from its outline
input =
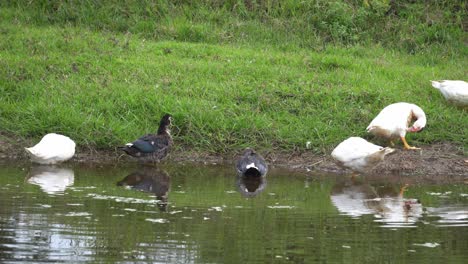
(436, 160)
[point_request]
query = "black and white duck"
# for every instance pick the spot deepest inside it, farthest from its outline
(251, 164)
(152, 147)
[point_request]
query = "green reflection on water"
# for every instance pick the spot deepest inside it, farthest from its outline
(198, 214)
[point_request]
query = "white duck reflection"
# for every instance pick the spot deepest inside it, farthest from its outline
(450, 215)
(251, 186)
(51, 179)
(356, 199)
(152, 180)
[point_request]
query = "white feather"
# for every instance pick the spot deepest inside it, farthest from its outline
(453, 91)
(251, 165)
(53, 148)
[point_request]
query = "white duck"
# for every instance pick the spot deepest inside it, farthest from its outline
(394, 121)
(454, 91)
(357, 154)
(53, 148)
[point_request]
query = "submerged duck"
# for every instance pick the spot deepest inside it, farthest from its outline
(152, 147)
(357, 154)
(394, 121)
(454, 91)
(53, 148)
(251, 164)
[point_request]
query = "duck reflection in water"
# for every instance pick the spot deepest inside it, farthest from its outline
(152, 180)
(354, 198)
(251, 186)
(51, 179)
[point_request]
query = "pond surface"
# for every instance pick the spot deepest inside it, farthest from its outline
(205, 214)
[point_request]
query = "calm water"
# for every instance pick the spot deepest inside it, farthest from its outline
(188, 214)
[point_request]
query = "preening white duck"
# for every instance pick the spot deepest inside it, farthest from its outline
(454, 91)
(359, 155)
(394, 121)
(53, 148)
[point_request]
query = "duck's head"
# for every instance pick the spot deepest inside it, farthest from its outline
(421, 120)
(164, 124)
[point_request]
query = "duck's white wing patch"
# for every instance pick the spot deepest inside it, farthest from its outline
(251, 165)
(129, 144)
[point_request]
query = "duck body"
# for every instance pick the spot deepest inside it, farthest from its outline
(455, 92)
(251, 164)
(152, 147)
(394, 122)
(359, 155)
(53, 148)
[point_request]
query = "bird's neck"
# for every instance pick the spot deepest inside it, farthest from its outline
(164, 130)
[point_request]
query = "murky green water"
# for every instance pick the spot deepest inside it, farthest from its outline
(192, 214)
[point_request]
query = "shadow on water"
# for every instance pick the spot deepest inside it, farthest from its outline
(251, 186)
(150, 179)
(51, 179)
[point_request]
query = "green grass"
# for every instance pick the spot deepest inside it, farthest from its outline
(104, 88)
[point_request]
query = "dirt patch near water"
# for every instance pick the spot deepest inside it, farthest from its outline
(441, 159)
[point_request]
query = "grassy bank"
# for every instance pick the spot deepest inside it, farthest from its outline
(104, 87)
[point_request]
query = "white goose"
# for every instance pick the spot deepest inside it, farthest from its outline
(393, 122)
(455, 92)
(53, 148)
(357, 154)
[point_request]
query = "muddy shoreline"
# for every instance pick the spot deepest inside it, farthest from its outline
(441, 159)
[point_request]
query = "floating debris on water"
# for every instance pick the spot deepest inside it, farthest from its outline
(120, 199)
(158, 220)
(428, 244)
(216, 208)
(281, 207)
(78, 214)
(438, 193)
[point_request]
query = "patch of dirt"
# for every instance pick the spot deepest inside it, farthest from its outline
(441, 159)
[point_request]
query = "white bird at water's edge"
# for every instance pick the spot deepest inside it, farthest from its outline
(359, 155)
(53, 148)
